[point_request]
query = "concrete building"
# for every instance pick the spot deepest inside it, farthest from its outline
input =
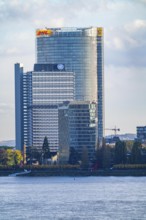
(77, 128)
(37, 103)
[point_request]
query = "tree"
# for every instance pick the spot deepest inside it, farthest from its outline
(45, 149)
(136, 153)
(73, 156)
(98, 159)
(33, 155)
(106, 156)
(85, 157)
(103, 156)
(10, 157)
(29, 155)
(120, 152)
(3, 157)
(17, 157)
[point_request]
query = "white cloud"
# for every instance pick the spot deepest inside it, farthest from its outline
(136, 25)
(132, 35)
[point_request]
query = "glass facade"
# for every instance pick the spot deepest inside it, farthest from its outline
(76, 48)
(69, 67)
(81, 50)
(78, 120)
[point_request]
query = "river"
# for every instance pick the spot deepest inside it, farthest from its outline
(68, 198)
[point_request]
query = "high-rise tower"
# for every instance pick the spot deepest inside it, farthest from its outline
(69, 67)
(81, 50)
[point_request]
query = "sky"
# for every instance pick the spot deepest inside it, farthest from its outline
(124, 23)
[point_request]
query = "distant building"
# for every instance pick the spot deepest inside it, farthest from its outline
(77, 128)
(112, 139)
(141, 133)
(38, 94)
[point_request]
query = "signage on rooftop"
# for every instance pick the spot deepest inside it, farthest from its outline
(100, 32)
(42, 32)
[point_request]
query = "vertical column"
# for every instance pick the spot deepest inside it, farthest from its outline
(100, 84)
(19, 106)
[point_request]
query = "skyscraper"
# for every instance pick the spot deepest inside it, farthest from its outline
(81, 50)
(69, 67)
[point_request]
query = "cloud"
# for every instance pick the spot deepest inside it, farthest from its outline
(126, 45)
(135, 26)
(143, 1)
(13, 9)
(47, 10)
(132, 35)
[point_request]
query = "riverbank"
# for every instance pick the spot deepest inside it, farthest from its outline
(76, 172)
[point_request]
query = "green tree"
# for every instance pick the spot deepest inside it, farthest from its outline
(17, 157)
(120, 152)
(106, 156)
(73, 156)
(45, 149)
(103, 156)
(85, 158)
(14, 157)
(136, 153)
(3, 157)
(10, 157)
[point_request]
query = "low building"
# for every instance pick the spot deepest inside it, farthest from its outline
(141, 133)
(77, 128)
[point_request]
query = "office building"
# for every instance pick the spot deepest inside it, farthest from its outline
(69, 67)
(141, 133)
(37, 103)
(77, 128)
(81, 50)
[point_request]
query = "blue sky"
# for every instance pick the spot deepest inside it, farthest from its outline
(124, 23)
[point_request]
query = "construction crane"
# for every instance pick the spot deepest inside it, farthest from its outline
(113, 129)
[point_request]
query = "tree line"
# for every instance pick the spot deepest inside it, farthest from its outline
(120, 154)
(105, 157)
(124, 152)
(10, 157)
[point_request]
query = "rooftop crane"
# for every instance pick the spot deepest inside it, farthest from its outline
(113, 129)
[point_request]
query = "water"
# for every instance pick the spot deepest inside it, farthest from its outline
(65, 198)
